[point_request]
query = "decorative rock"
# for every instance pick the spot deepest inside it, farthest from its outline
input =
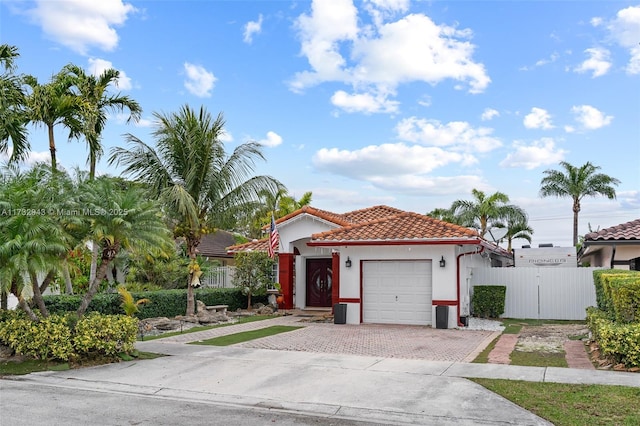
(5, 352)
(265, 310)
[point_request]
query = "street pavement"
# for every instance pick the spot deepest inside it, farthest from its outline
(330, 388)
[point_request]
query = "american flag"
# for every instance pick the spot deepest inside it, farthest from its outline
(273, 238)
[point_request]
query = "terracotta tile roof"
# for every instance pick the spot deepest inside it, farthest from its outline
(371, 213)
(255, 245)
(336, 218)
(624, 231)
(401, 226)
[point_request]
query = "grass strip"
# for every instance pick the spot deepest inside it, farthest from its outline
(232, 339)
(241, 320)
(539, 359)
(571, 404)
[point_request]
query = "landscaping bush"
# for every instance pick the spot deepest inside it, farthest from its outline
(488, 300)
(614, 301)
(105, 334)
(164, 303)
(49, 338)
(619, 342)
(63, 337)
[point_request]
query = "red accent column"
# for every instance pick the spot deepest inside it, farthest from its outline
(335, 280)
(285, 277)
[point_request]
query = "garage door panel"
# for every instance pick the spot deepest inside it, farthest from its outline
(397, 292)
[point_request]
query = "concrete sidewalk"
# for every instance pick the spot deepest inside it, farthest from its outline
(378, 389)
(329, 386)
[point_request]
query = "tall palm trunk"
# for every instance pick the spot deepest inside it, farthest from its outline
(52, 147)
(107, 256)
(576, 211)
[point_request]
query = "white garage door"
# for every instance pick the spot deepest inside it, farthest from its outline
(396, 292)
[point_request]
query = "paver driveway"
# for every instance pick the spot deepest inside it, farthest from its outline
(387, 341)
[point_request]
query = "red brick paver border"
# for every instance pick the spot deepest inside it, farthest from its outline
(576, 355)
(501, 352)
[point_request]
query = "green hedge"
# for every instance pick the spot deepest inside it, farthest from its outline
(488, 300)
(618, 294)
(63, 337)
(620, 342)
(163, 303)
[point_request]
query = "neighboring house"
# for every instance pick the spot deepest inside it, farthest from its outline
(387, 265)
(214, 247)
(616, 247)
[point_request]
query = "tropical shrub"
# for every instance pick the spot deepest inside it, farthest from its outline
(488, 301)
(165, 303)
(619, 342)
(49, 338)
(64, 337)
(105, 334)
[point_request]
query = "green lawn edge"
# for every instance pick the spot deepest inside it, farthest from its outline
(241, 320)
(245, 336)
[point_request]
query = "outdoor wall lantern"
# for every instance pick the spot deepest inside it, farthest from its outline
(347, 262)
(442, 262)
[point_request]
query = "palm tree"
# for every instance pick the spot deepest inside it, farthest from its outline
(95, 103)
(34, 238)
(577, 183)
(120, 219)
(279, 204)
(13, 118)
(52, 104)
(517, 228)
(202, 187)
(447, 215)
(484, 212)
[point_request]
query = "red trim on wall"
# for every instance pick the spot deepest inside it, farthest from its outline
(445, 302)
(285, 277)
(335, 279)
(348, 300)
(392, 243)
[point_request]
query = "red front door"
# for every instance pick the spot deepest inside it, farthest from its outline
(319, 283)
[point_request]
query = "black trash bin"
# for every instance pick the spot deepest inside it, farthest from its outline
(442, 317)
(340, 313)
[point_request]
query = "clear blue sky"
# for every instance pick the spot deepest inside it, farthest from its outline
(408, 104)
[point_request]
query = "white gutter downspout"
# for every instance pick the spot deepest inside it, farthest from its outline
(458, 277)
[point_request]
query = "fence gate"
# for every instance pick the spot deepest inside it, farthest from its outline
(542, 293)
(220, 277)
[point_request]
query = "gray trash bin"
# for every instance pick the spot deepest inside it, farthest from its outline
(340, 313)
(442, 316)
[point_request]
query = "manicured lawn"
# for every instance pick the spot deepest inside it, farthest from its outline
(539, 359)
(232, 339)
(241, 320)
(571, 405)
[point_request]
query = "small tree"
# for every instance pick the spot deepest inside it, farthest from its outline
(253, 273)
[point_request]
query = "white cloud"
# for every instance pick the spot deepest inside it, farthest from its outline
(82, 24)
(33, 157)
(367, 103)
(591, 118)
(376, 59)
(199, 81)
(430, 185)
(489, 114)
(251, 28)
(144, 122)
(538, 118)
(625, 30)
(97, 66)
(226, 136)
(542, 152)
(554, 57)
(457, 135)
(272, 140)
(598, 62)
(375, 161)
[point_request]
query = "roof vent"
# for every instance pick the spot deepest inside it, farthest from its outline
(545, 245)
(526, 246)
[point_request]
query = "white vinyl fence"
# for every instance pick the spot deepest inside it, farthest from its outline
(220, 277)
(542, 293)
